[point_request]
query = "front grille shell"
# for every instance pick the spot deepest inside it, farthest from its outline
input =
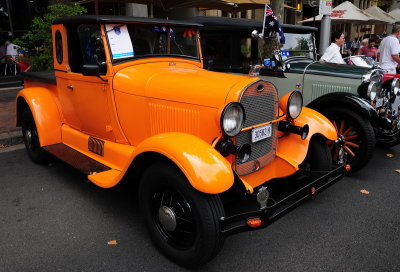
(260, 102)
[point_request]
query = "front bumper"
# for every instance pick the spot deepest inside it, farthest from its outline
(387, 134)
(238, 222)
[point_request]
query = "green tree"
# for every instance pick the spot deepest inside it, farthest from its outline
(38, 41)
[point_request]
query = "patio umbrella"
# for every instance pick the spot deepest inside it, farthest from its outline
(380, 14)
(346, 12)
(396, 14)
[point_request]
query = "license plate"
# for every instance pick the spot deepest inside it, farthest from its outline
(261, 133)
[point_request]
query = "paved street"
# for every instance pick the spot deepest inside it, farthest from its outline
(53, 220)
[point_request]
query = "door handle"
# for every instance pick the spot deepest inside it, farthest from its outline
(71, 87)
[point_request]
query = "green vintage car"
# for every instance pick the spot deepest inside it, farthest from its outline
(363, 109)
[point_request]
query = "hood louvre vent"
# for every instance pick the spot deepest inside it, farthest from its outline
(165, 118)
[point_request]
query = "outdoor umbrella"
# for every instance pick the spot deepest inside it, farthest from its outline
(380, 14)
(346, 12)
(396, 14)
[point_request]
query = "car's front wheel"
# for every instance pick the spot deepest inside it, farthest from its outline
(356, 134)
(183, 222)
(318, 159)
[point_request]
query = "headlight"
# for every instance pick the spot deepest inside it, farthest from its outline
(373, 89)
(232, 119)
(294, 104)
(395, 86)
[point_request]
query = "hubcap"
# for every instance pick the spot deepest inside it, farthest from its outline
(167, 218)
(28, 136)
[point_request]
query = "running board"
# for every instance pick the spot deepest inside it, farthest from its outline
(76, 159)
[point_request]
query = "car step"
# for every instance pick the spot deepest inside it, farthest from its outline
(76, 159)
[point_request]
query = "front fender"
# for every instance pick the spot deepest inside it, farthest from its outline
(205, 168)
(350, 101)
(45, 112)
(292, 148)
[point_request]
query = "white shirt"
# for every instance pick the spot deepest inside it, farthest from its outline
(332, 54)
(389, 47)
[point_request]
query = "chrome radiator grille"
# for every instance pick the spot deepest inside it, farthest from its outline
(260, 102)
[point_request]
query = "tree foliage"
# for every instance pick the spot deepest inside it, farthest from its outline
(37, 41)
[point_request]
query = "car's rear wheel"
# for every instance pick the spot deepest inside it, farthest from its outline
(356, 134)
(31, 138)
(183, 222)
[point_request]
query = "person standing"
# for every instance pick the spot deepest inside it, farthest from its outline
(332, 53)
(11, 49)
(370, 50)
(389, 51)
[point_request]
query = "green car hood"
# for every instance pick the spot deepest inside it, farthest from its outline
(328, 69)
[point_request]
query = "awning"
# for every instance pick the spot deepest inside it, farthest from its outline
(380, 14)
(396, 14)
(174, 4)
(346, 12)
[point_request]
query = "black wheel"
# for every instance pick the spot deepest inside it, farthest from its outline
(183, 222)
(356, 134)
(319, 158)
(31, 138)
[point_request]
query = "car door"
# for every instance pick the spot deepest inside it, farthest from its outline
(85, 99)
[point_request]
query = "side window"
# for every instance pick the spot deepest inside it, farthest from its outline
(59, 49)
(92, 46)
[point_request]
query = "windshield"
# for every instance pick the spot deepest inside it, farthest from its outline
(360, 60)
(298, 45)
(128, 41)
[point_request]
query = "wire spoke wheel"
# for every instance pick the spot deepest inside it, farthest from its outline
(174, 218)
(182, 222)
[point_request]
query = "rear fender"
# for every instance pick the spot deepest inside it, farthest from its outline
(292, 148)
(205, 168)
(46, 114)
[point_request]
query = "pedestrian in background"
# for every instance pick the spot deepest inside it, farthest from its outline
(332, 53)
(389, 51)
(370, 50)
(11, 49)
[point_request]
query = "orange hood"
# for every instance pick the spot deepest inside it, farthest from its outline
(180, 82)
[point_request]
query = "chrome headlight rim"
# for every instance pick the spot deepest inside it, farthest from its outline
(238, 129)
(294, 97)
(372, 90)
(395, 86)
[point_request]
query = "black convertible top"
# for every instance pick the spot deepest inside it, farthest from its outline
(225, 23)
(88, 19)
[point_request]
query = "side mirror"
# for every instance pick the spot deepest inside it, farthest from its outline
(91, 70)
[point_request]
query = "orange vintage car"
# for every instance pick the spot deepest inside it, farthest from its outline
(129, 100)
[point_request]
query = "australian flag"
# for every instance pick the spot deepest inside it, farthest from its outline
(271, 24)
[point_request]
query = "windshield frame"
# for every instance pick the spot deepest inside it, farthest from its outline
(152, 56)
(314, 48)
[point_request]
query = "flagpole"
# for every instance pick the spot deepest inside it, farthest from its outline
(265, 13)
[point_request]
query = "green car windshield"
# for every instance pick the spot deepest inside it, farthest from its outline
(298, 44)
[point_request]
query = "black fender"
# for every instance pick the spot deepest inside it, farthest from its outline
(349, 101)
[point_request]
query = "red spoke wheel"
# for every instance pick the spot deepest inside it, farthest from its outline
(356, 136)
